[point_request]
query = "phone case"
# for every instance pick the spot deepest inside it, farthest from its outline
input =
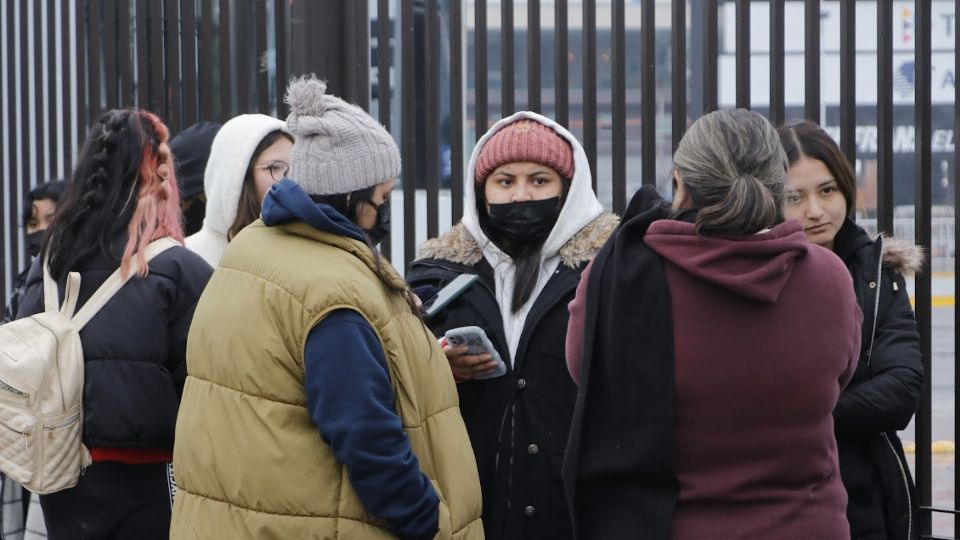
(477, 343)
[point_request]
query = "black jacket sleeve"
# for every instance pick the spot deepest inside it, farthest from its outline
(193, 276)
(886, 393)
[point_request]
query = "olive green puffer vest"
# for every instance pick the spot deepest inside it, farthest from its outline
(248, 460)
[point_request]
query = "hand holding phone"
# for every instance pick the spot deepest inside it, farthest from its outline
(477, 343)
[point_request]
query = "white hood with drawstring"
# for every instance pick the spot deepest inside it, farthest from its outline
(580, 208)
(227, 166)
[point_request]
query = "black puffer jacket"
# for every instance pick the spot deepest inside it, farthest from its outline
(518, 423)
(134, 348)
(885, 390)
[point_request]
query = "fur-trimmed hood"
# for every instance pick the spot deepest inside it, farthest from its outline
(903, 256)
(458, 246)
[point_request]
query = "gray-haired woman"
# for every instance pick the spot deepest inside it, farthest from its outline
(714, 344)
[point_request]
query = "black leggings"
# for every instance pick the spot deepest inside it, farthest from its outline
(112, 500)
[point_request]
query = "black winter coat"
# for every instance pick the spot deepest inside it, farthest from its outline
(884, 392)
(135, 348)
(518, 423)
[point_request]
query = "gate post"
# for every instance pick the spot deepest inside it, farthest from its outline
(332, 39)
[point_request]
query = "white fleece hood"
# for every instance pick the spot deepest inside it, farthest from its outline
(580, 208)
(223, 179)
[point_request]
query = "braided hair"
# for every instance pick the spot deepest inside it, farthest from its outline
(123, 181)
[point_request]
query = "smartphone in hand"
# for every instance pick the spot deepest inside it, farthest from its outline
(477, 342)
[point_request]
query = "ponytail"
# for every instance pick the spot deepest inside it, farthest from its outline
(747, 208)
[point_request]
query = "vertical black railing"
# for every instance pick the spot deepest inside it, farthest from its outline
(678, 51)
(743, 54)
(480, 67)
(589, 35)
(432, 118)
(619, 84)
(533, 57)
(561, 63)
(848, 79)
(456, 110)
(885, 117)
(408, 126)
(811, 53)
(648, 95)
(777, 59)
(923, 234)
(507, 79)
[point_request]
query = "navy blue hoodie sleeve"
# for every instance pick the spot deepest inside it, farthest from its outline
(350, 399)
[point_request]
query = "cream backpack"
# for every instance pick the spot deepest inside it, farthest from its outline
(41, 384)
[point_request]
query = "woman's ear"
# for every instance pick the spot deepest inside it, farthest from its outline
(679, 193)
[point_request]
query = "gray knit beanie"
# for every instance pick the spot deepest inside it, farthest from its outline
(338, 147)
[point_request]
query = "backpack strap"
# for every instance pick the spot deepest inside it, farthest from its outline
(115, 282)
(51, 301)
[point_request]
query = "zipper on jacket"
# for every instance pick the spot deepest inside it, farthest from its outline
(906, 485)
(24, 434)
(13, 391)
(876, 304)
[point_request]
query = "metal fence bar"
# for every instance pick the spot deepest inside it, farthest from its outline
(6, 152)
(456, 110)
(533, 56)
(9, 228)
(710, 36)
(246, 47)
(777, 32)
(848, 80)
(383, 61)
(51, 126)
(743, 54)
(678, 57)
(648, 94)
(619, 90)
(69, 36)
(561, 50)
(205, 65)
(94, 61)
(226, 79)
(143, 57)
(956, 274)
(172, 78)
(42, 171)
(281, 26)
(431, 97)
(260, 66)
(885, 117)
(590, 86)
(26, 167)
(155, 65)
(110, 53)
(127, 97)
(189, 63)
(408, 129)
(357, 60)
(155, 25)
(507, 68)
(923, 284)
(480, 67)
(811, 53)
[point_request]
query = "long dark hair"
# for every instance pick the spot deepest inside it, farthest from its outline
(526, 257)
(348, 204)
(116, 187)
(805, 138)
(49, 191)
(248, 208)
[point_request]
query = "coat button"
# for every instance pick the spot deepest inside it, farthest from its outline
(529, 511)
(873, 285)
(521, 383)
(533, 449)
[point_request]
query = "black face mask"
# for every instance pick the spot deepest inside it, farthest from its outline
(34, 240)
(525, 223)
(380, 229)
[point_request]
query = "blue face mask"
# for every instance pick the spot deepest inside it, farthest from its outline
(526, 223)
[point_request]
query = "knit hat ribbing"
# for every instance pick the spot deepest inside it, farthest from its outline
(525, 140)
(338, 147)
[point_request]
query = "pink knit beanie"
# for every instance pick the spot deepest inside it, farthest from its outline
(525, 140)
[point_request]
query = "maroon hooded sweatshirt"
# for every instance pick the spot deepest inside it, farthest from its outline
(766, 334)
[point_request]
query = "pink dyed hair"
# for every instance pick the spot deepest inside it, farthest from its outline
(157, 214)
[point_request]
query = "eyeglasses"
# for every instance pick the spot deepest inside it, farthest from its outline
(277, 169)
